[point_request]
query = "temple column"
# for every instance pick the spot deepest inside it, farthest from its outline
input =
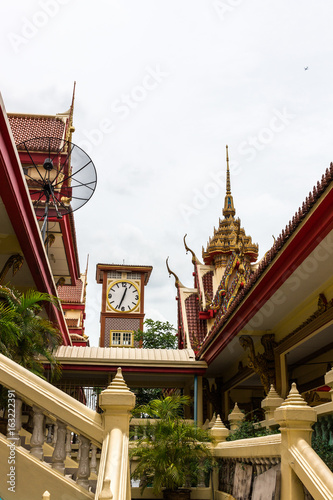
(200, 402)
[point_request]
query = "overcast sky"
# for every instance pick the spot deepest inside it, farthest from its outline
(162, 87)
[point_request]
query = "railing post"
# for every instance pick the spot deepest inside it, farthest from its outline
(269, 405)
(219, 431)
(235, 418)
(295, 418)
(114, 476)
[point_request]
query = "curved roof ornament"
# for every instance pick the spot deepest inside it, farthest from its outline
(195, 259)
(177, 281)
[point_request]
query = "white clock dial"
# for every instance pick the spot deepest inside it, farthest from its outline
(123, 296)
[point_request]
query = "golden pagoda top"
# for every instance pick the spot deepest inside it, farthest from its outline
(229, 209)
(229, 236)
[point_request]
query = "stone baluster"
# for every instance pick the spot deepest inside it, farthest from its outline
(68, 446)
(201, 479)
(84, 470)
(93, 459)
(136, 432)
(49, 426)
(59, 453)
(14, 418)
(235, 418)
(55, 432)
(295, 418)
(269, 405)
(37, 438)
(78, 456)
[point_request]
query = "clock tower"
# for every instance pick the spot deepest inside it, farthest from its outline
(122, 302)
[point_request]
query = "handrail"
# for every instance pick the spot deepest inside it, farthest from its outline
(311, 470)
(263, 446)
(36, 391)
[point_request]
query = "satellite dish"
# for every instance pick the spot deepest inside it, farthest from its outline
(61, 177)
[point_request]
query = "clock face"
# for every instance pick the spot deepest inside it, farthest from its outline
(123, 296)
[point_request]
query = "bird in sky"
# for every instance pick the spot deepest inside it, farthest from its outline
(306, 68)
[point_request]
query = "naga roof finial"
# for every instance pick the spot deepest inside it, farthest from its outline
(194, 257)
(177, 281)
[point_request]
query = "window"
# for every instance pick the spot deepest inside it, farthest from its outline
(122, 338)
(116, 338)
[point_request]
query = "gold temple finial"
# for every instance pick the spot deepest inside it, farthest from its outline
(177, 281)
(194, 257)
(229, 209)
(72, 107)
(228, 173)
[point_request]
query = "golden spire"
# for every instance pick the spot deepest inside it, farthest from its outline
(71, 113)
(228, 174)
(229, 210)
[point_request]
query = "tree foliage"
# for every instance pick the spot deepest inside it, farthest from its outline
(156, 335)
(250, 429)
(24, 334)
(171, 452)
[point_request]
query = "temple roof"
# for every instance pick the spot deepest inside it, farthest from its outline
(30, 126)
(26, 127)
(270, 256)
(71, 293)
(230, 235)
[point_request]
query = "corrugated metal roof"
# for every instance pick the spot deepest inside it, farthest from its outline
(132, 356)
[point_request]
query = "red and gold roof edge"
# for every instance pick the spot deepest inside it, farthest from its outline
(279, 243)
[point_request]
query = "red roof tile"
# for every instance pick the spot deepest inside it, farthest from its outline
(31, 126)
(207, 281)
(196, 327)
(71, 293)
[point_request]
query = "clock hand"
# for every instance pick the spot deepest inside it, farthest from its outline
(123, 297)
